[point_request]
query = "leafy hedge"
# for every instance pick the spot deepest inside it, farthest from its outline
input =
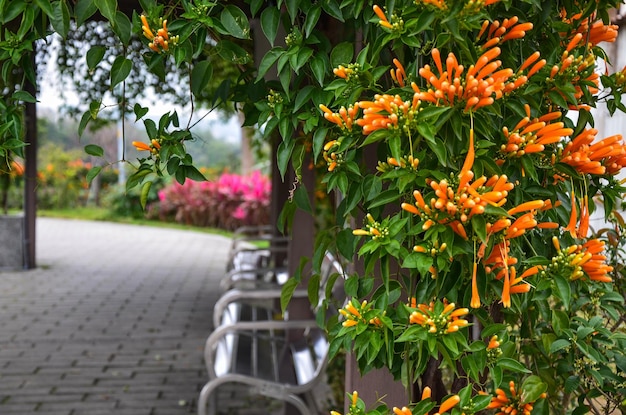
(229, 202)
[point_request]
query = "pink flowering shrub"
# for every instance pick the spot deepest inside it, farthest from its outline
(227, 203)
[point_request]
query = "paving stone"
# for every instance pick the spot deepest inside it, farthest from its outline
(112, 322)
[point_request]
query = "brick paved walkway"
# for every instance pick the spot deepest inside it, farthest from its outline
(113, 321)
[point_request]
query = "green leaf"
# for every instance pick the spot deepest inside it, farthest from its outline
(285, 79)
(83, 10)
(571, 383)
(303, 96)
(137, 177)
(180, 175)
(512, 365)
(558, 99)
(255, 6)
(107, 9)
(139, 111)
(232, 52)
(419, 261)
(45, 6)
(235, 22)
(532, 388)
(301, 198)
(151, 128)
(285, 219)
(342, 54)
(84, 120)
(333, 9)
(145, 191)
(496, 375)
(92, 173)
(194, 174)
(471, 368)
(287, 293)
(284, 151)
(268, 60)
(11, 11)
(94, 109)
(292, 9)
(60, 18)
(94, 150)
(319, 67)
(480, 227)
(270, 21)
(95, 55)
(385, 198)
(28, 17)
(559, 345)
(24, 96)
(424, 21)
(312, 16)
(563, 290)
(439, 148)
(122, 27)
(313, 289)
(200, 76)
(431, 112)
(319, 136)
(301, 59)
(120, 70)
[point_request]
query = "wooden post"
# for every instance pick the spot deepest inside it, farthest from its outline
(30, 177)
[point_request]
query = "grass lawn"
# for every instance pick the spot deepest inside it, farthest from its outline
(101, 214)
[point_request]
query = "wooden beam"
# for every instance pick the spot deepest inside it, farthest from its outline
(30, 178)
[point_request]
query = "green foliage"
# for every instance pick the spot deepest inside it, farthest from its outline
(450, 139)
(124, 203)
(63, 178)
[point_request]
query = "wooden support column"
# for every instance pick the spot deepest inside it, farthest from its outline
(379, 383)
(30, 179)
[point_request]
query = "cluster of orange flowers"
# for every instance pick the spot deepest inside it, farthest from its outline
(408, 162)
(16, 169)
(511, 405)
(494, 342)
(444, 322)
(445, 406)
(395, 24)
(456, 207)
(387, 111)
(605, 156)
(592, 29)
(153, 147)
(353, 404)
(347, 73)
(448, 404)
(531, 136)
(577, 69)
(579, 260)
(373, 229)
(332, 158)
(344, 118)
(159, 42)
(503, 266)
(498, 33)
(353, 314)
(482, 84)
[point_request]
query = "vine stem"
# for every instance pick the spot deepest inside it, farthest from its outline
(124, 120)
(190, 99)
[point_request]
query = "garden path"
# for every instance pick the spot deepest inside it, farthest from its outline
(113, 320)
